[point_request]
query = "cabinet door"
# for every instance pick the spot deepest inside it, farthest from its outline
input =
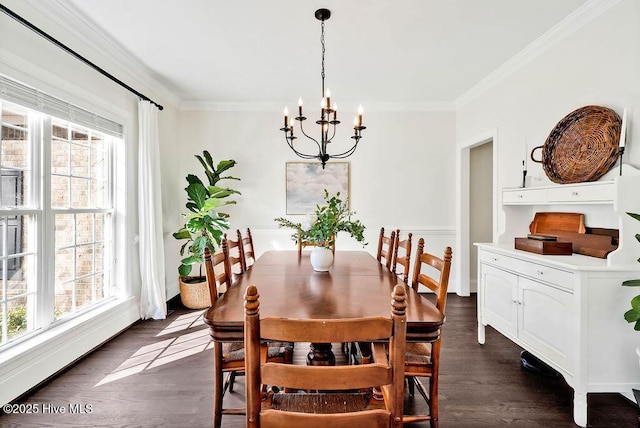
(546, 322)
(497, 297)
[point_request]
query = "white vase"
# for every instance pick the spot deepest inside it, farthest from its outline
(321, 259)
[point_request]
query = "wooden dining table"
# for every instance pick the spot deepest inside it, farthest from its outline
(357, 285)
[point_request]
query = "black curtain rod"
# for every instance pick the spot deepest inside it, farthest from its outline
(75, 54)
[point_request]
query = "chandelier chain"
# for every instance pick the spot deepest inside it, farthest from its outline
(322, 43)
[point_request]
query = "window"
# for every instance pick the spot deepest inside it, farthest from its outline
(56, 219)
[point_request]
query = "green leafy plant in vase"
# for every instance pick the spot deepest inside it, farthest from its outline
(633, 314)
(329, 219)
(204, 226)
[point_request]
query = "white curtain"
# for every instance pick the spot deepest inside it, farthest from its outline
(153, 296)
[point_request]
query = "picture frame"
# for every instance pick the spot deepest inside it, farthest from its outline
(306, 182)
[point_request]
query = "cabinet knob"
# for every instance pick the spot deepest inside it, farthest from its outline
(574, 193)
(540, 272)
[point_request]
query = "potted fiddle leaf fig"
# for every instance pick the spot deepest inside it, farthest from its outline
(328, 220)
(633, 314)
(204, 227)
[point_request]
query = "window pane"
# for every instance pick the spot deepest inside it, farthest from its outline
(79, 161)
(15, 148)
(63, 300)
(84, 228)
(64, 266)
(64, 230)
(80, 193)
(19, 317)
(60, 130)
(84, 260)
(59, 191)
(15, 155)
(60, 157)
(84, 292)
(17, 236)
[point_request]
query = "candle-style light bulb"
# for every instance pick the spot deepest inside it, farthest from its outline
(335, 111)
(327, 95)
(300, 106)
(360, 111)
(286, 116)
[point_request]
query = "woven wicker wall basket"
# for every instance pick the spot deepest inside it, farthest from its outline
(582, 147)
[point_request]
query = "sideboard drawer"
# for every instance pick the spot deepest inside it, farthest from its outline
(538, 272)
(523, 196)
(557, 277)
(594, 193)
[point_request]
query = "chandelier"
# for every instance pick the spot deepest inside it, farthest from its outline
(328, 117)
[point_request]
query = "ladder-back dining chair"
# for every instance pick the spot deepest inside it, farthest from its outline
(386, 248)
(423, 359)
(248, 252)
(236, 255)
(402, 258)
(229, 356)
(329, 399)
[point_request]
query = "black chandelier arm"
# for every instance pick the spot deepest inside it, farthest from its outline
(300, 154)
(335, 126)
(347, 153)
(309, 137)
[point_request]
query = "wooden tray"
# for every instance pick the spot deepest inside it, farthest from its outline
(547, 223)
(558, 248)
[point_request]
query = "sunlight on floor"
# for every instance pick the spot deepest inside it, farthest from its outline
(183, 344)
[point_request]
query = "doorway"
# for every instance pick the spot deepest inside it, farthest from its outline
(480, 204)
(476, 202)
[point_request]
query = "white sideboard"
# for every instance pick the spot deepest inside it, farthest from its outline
(567, 310)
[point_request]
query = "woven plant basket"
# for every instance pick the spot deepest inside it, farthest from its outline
(194, 295)
(582, 147)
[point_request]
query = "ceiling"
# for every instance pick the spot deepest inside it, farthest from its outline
(378, 52)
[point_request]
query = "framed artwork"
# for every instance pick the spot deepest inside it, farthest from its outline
(306, 183)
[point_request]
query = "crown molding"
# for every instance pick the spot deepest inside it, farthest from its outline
(75, 22)
(276, 106)
(569, 25)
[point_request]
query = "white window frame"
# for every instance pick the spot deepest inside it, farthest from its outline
(39, 205)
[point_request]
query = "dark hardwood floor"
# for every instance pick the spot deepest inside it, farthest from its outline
(159, 373)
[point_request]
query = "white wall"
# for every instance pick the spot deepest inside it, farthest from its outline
(402, 175)
(597, 64)
(28, 58)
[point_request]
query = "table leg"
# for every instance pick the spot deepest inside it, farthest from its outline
(321, 354)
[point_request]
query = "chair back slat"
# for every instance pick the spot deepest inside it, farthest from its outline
(326, 378)
(325, 331)
(367, 418)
